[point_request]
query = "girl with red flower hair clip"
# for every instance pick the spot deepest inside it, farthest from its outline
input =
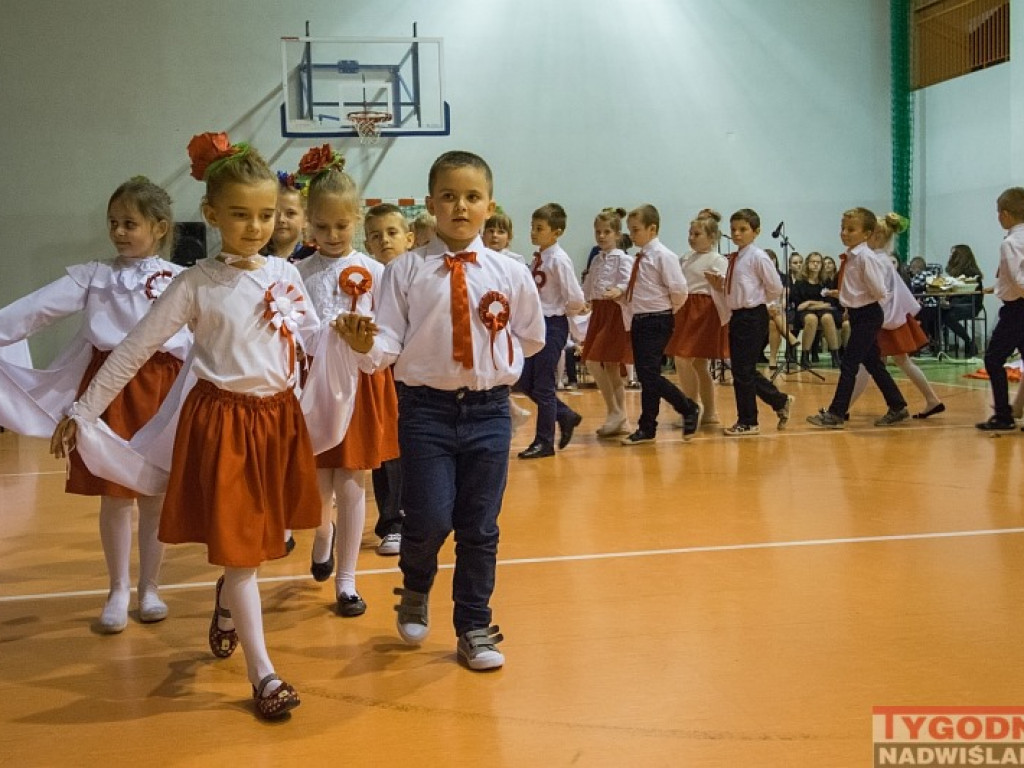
(340, 281)
(113, 296)
(242, 468)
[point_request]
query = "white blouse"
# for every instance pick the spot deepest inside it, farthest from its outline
(241, 344)
(113, 296)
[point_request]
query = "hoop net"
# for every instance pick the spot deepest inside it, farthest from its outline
(367, 124)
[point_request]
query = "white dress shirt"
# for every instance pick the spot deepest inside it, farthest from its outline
(415, 322)
(696, 264)
(659, 284)
(1010, 272)
(899, 301)
(755, 280)
(863, 280)
(560, 291)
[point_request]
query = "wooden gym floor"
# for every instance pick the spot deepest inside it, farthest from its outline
(723, 603)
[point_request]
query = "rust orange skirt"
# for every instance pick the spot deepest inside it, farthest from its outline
(908, 338)
(699, 331)
(134, 405)
(242, 472)
(607, 339)
(372, 435)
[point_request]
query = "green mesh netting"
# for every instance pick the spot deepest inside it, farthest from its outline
(902, 116)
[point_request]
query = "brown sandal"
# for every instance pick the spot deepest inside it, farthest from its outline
(276, 704)
(222, 641)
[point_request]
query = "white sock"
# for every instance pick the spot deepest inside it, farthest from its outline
(916, 375)
(322, 540)
(350, 494)
(116, 538)
(241, 596)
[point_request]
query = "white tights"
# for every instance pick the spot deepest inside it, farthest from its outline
(696, 382)
(241, 596)
(613, 389)
(909, 367)
(116, 538)
(346, 488)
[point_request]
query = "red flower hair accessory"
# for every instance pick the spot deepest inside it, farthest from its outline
(207, 148)
(355, 281)
(494, 312)
(320, 159)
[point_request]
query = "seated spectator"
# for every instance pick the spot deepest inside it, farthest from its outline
(813, 310)
(920, 273)
(829, 279)
(956, 310)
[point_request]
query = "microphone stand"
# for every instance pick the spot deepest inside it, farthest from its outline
(792, 363)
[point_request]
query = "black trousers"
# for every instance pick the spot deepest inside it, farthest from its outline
(650, 334)
(862, 349)
(748, 329)
(1007, 336)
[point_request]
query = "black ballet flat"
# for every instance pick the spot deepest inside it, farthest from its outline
(931, 411)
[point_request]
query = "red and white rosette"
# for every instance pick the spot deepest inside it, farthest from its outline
(494, 312)
(356, 281)
(540, 277)
(284, 310)
(157, 283)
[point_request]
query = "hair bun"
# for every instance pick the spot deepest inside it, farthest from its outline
(709, 213)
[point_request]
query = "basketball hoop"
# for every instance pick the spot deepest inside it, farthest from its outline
(367, 124)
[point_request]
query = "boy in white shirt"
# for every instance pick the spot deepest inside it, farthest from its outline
(560, 295)
(457, 321)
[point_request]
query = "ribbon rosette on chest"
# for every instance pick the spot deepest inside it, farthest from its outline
(285, 306)
(355, 281)
(157, 283)
(494, 312)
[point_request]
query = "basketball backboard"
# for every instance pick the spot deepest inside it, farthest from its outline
(325, 79)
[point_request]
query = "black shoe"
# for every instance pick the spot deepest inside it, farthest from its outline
(566, 428)
(323, 571)
(638, 438)
(537, 450)
(996, 424)
(289, 545)
(351, 605)
(691, 422)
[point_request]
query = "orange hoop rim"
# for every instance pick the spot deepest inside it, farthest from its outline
(368, 116)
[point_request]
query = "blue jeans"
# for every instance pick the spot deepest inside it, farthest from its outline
(454, 452)
(539, 378)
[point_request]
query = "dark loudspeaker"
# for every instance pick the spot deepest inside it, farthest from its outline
(189, 242)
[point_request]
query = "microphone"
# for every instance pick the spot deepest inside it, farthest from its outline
(778, 229)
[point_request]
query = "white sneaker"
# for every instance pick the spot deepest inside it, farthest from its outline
(614, 429)
(391, 544)
(413, 620)
(478, 649)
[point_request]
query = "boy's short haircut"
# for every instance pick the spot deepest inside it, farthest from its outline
(499, 221)
(866, 217)
(1012, 201)
(647, 214)
(553, 214)
(425, 220)
(381, 210)
(748, 215)
(459, 159)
